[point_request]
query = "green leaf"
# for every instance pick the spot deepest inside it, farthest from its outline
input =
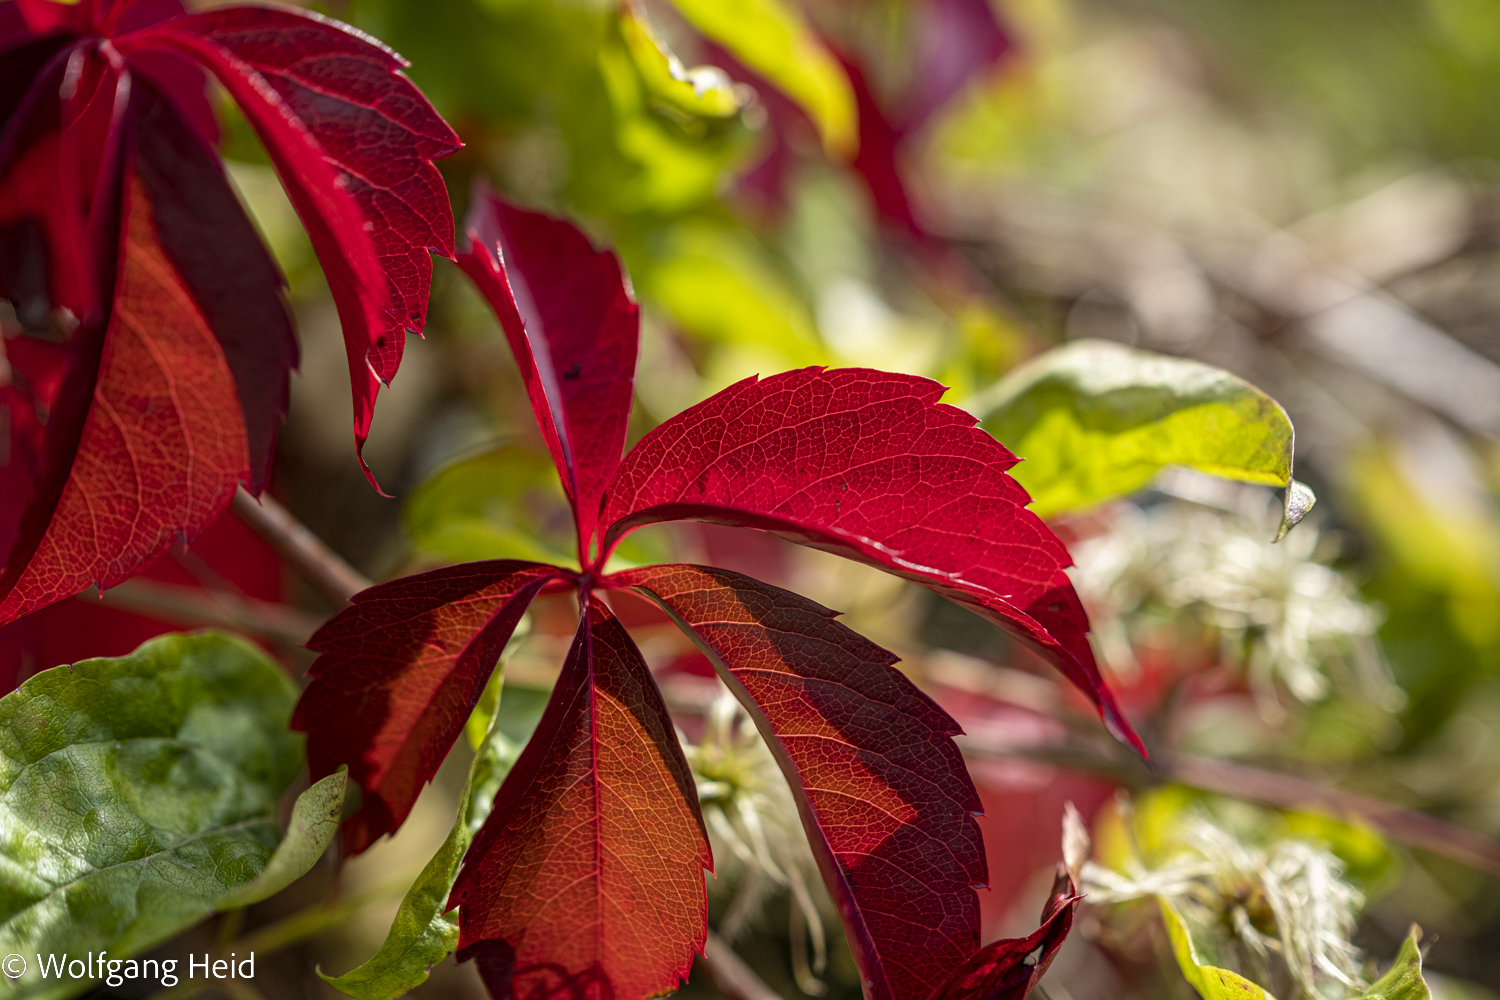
(704, 91)
(422, 933)
(137, 793)
(720, 288)
(771, 38)
(1211, 981)
(1096, 420)
(1404, 980)
(314, 824)
(503, 504)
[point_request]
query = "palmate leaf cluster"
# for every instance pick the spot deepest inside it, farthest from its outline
(587, 111)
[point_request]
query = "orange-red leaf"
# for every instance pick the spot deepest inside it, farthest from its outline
(882, 789)
(400, 672)
(159, 454)
(587, 879)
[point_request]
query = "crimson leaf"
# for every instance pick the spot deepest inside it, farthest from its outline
(871, 466)
(1009, 969)
(401, 670)
(587, 877)
(881, 787)
(588, 874)
(98, 91)
(573, 328)
(161, 380)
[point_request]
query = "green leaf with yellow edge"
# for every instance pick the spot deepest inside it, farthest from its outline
(422, 934)
(1095, 420)
(1196, 962)
(679, 158)
(1404, 980)
(772, 38)
(136, 794)
(705, 91)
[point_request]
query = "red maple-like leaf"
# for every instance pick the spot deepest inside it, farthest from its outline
(103, 113)
(586, 877)
(590, 868)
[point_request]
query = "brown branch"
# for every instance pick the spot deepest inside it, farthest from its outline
(1461, 844)
(731, 975)
(194, 608)
(1272, 788)
(325, 569)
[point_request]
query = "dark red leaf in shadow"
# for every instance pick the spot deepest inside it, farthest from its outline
(587, 878)
(215, 248)
(573, 329)
(353, 141)
(92, 90)
(158, 455)
(401, 670)
(1010, 969)
(871, 466)
(881, 787)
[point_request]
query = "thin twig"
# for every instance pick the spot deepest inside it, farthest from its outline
(1461, 844)
(191, 607)
(325, 569)
(731, 975)
(1272, 788)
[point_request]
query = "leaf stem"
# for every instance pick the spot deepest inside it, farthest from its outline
(325, 569)
(195, 607)
(731, 975)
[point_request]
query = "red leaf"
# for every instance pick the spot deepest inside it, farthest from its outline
(588, 874)
(871, 466)
(1010, 969)
(92, 89)
(884, 796)
(353, 141)
(400, 672)
(573, 328)
(158, 455)
(216, 249)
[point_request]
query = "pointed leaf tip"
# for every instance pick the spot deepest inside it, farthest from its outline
(572, 324)
(1299, 500)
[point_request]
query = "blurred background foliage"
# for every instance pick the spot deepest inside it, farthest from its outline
(1303, 192)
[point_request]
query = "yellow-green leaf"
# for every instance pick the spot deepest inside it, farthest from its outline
(719, 288)
(503, 504)
(704, 91)
(1211, 981)
(1404, 980)
(1096, 420)
(772, 38)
